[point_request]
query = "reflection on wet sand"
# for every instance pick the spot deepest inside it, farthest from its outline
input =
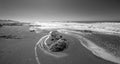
(92, 46)
(100, 51)
(88, 44)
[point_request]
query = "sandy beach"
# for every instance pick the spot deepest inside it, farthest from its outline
(20, 49)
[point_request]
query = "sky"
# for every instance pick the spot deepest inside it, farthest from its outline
(60, 10)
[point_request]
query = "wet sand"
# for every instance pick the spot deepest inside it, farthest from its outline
(77, 54)
(21, 51)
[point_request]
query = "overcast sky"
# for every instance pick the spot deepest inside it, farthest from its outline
(58, 10)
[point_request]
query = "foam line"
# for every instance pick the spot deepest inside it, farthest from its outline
(36, 55)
